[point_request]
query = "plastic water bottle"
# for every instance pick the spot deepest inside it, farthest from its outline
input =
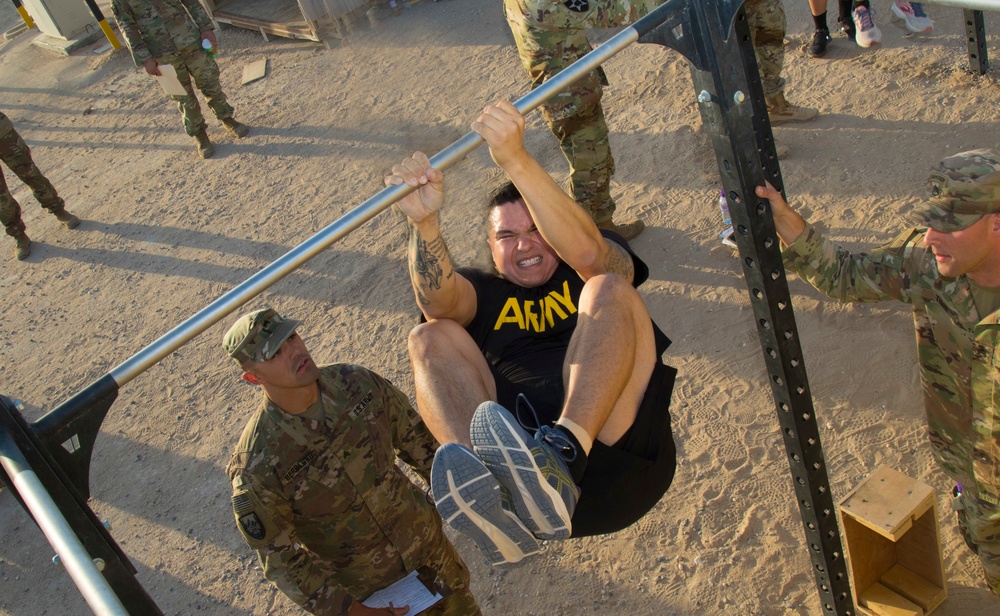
(724, 206)
(207, 45)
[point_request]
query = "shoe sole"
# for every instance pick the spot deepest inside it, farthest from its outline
(468, 498)
(503, 448)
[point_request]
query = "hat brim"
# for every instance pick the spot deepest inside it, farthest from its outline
(280, 335)
(937, 217)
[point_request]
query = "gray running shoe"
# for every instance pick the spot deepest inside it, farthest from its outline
(471, 501)
(531, 468)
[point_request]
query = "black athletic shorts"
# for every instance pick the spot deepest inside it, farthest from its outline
(625, 480)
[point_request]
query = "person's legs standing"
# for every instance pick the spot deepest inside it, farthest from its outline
(10, 217)
(205, 73)
(191, 116)
(550, 37)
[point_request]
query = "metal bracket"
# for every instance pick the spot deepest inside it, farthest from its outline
(18, 441)
(975, 34)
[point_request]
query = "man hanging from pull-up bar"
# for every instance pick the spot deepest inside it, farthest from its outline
(557, 338)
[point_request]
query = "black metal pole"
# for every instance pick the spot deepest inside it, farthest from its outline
(715, 37)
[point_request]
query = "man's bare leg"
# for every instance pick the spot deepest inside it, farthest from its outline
(451, 378)
(610, 359)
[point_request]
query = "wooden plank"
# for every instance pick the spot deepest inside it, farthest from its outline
(920, 549)
(279, 17)
(884, 602)
(869, 554)
(904, 582)
(271, 11)
(254, 71)
(888, 501)
(296, 31)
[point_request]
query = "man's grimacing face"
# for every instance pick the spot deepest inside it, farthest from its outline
(519, 251)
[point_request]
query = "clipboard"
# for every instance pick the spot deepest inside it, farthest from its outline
(168, 80)
(420, 590)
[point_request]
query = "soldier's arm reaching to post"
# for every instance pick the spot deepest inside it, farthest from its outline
(878, 275)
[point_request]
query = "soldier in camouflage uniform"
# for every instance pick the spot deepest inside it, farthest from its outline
(316, 489)
(14, 152)
(171, 32)
(550, 35)
(949, 271)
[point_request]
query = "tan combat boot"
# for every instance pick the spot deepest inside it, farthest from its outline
(23, 248)
(205, 147)
(236, 129)
(67, 218)
(782, 111)
(628, 230)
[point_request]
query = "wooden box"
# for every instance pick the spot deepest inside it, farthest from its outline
(892, 544)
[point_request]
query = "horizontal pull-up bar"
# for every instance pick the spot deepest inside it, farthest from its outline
(256, 284)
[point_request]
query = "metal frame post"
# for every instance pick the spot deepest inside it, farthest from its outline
(716, 39)
(975, 29)
(42, 487)
(975, 35)
(84, 571)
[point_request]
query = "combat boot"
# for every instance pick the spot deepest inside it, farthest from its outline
(628, 230)
(23, 248)
(205, 147)
(67, 218)
(781, 150)
(236, 129)
(781, 111)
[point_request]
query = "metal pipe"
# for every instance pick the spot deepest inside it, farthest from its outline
(23, 12)
(973, 5)
(256, 284)
(103, 23)
(81, 567)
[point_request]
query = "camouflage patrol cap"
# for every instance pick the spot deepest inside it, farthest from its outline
(962, 189)
(257, 336)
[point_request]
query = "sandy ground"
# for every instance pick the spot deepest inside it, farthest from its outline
(166, 233)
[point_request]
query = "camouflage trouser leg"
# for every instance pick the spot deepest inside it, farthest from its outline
(767, 28)
(194, 63)
(549, 38)
(446, 561)
(979, 522)
(10, 211)
(14, 152)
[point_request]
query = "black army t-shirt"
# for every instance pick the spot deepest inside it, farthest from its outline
(524, 333)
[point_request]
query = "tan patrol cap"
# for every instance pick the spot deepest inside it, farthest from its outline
(962, 189)
(257, 336)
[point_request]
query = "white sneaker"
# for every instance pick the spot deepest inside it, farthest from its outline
(867, 33)
(912, 13)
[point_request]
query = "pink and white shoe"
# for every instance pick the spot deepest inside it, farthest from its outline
(913, 15)
(867, 33)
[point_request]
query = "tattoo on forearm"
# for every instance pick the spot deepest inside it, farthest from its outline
(620, 262)
(427, 265)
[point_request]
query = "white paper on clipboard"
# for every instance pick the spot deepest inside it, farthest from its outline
(168, 80)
